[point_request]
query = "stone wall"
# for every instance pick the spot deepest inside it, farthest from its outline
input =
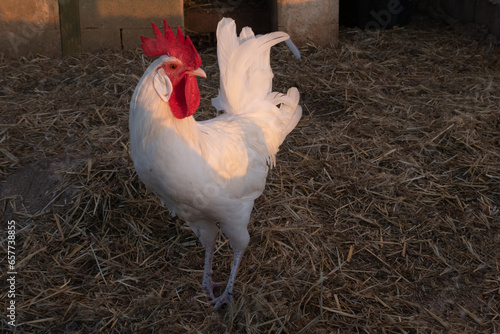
(29, 25)
(309, 21)
(34, 25)
(119, 24)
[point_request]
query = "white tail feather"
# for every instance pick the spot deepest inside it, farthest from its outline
(293, 48)
(244, 63)
(246, 85)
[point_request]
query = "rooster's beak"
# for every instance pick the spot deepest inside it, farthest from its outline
(198, 72)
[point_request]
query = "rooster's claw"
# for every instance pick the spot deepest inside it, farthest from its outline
(225, 298)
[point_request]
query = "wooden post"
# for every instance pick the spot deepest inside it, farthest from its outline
(273, 8)
(69, 20)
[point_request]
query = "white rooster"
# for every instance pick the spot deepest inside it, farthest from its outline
(213, 170)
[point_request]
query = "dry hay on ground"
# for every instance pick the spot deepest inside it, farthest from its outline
(382, 215)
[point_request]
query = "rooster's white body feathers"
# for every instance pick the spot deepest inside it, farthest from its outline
(214, 170)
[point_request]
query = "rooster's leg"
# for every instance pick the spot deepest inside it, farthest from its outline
(227, 296)
(207, 282)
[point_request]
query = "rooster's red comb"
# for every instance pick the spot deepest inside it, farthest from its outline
(180, 47)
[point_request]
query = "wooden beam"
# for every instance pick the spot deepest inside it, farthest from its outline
(69, 20)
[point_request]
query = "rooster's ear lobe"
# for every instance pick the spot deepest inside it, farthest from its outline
(162, 84)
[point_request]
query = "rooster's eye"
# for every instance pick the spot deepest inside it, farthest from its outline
(173, 66)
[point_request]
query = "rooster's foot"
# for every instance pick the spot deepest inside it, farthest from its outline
(225, 298)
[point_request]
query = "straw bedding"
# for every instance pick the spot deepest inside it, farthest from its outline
(382, 215)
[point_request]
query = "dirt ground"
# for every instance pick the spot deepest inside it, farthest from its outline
(382, 215)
